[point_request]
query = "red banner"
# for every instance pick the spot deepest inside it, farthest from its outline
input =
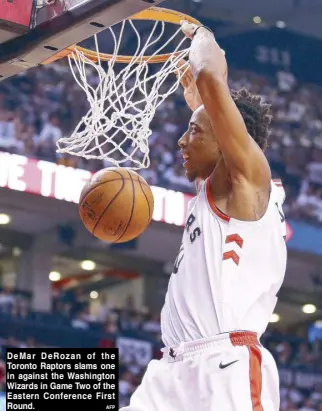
(66, 183)
(16, 11)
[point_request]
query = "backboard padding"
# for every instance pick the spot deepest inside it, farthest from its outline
(47, 39)
(18, 12)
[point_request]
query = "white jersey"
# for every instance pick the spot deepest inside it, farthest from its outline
(227, 273)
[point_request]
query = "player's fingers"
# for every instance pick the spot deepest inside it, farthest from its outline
(188, 28)
(181, 67)
(180, 63)
(183, 80)
(184, 72)
(179, 73)
(184, 67)
(186, 79)
(188, 75)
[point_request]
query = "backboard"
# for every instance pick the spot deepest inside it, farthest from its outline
(33, 31)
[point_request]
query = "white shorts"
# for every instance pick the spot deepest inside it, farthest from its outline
(228, 372)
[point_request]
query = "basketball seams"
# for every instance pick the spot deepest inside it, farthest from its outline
(98, 184)
(149, 219)
(110, 181)
(127, 177)
(132, 209)
(108, 205)
(112, 200)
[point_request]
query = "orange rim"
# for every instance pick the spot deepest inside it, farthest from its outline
(152, 13)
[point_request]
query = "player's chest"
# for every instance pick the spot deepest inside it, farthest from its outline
(202, 226)
(199, 238)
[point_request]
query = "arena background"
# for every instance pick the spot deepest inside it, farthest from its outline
(63, 288)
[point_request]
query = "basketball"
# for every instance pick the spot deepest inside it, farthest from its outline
(116, 205)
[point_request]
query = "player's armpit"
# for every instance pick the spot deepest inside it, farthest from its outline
(243, 157)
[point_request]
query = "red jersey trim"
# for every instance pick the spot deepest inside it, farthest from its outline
(212, 204)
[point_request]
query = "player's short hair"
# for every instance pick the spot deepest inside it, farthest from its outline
(256, 114)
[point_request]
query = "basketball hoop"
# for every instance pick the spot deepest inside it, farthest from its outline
(129, 90)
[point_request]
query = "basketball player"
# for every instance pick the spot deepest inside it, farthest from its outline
(232, 259)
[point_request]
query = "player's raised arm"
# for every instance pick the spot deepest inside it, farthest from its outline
(243, 157)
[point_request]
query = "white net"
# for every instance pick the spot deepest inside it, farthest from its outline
(124, 100)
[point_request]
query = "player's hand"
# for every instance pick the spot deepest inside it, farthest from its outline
(188, 28)
(191, 93)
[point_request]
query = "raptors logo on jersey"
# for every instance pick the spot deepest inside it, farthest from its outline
(227, 272)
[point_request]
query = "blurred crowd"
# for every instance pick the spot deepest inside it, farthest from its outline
(44, 104)
(73, 308)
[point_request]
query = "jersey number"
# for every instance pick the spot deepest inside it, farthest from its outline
(178, 260)
(280, 212)
(282, 217)
(193, 235)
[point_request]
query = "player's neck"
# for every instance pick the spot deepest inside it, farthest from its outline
(198, 184)
(219, 176)
(220, 182)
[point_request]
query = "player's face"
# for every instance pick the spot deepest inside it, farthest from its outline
(199, 147)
